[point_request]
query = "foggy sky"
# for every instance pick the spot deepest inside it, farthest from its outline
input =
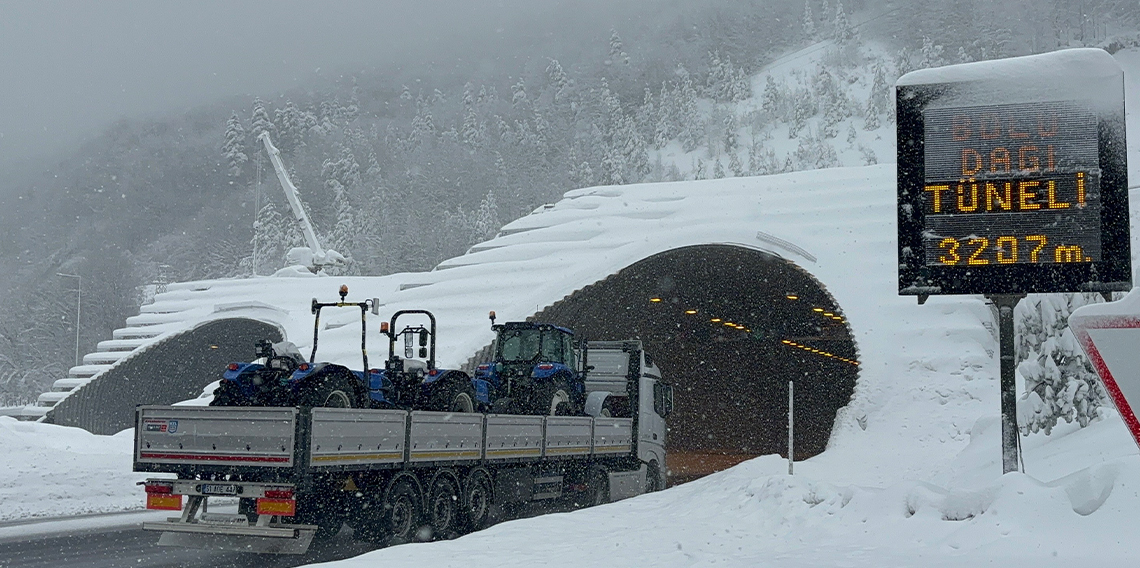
(70, 68)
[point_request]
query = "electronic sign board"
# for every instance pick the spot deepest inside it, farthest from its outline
(1012, 177)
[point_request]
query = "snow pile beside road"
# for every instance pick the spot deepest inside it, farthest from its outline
(751, 515)
(55, 471)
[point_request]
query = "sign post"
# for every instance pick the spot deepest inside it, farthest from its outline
(1012, 179)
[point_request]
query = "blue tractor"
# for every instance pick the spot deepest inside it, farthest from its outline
(280, 376)
(535, 370)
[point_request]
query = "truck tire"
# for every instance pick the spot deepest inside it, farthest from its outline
(454, 395)
(597, 487)
(401, 512)
(477, 500)
(444, 508)
(334, 390)
(653, 480)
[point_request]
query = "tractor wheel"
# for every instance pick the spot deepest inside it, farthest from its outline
(454, 395)
(228, 393)
(555, 399)
(334, 391)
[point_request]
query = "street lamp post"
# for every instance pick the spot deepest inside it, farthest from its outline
(78, 310)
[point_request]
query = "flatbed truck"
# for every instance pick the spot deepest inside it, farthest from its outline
(392, 475)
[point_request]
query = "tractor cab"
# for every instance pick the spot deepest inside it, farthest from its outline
(537, 369)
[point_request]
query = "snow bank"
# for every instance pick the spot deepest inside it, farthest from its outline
(55, 471)
(751, 516)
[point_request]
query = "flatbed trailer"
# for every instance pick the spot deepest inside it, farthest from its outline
(393, 475)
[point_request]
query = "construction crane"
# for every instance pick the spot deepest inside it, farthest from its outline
(313, 257)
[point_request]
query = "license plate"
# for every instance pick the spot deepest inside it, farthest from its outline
(219, 489)
(223, 519)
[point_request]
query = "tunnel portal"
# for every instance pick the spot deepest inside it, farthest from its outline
(729, 327)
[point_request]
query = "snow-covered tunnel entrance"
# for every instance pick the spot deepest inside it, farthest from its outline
(729, 327)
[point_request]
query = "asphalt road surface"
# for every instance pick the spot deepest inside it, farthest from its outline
(129, 546)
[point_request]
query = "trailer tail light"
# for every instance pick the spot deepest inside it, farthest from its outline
(232, 367)
(280, 507)
(278, 493)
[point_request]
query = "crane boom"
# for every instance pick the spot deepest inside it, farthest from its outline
(293, 197)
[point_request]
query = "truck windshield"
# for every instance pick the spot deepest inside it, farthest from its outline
(520, 344)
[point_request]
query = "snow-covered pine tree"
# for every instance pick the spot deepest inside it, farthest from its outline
(772, 99)
(931, 54)
(518, 94)
(290, 127)
(1060, 383)
(691, 127)
(843, 32)
(871, 115)
(259, 121)
(808, 21)
(718, 169)
(617, 55)
(734, 165)
(233, 147)
(268, 242)
(699, 170)
(486, 219)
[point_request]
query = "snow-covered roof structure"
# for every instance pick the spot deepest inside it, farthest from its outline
(836, 225)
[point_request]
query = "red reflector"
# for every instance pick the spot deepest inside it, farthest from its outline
(433, 372)
(484, 367)
(282, 507)
(303, 367)
(232, 367)
(164, 502)
(278, 493)
(159, 488)
(546, 366)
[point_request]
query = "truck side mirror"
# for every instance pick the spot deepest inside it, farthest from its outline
(375, 306)
(423, 353)
(423, 337)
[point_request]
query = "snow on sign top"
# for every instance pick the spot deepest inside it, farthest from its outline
(1013, 177)
(1090, 64)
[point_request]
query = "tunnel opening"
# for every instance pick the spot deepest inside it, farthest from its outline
(729, 327)
(170, 371)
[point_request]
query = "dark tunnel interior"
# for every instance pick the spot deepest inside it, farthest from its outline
(729, 327)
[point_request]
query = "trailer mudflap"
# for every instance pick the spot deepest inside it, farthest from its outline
(273, 539)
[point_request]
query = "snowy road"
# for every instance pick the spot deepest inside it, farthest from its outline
(115, 544)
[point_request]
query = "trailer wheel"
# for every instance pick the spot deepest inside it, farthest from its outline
(335, 391)
(401, 512)
(443, 508)
(477, 500)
